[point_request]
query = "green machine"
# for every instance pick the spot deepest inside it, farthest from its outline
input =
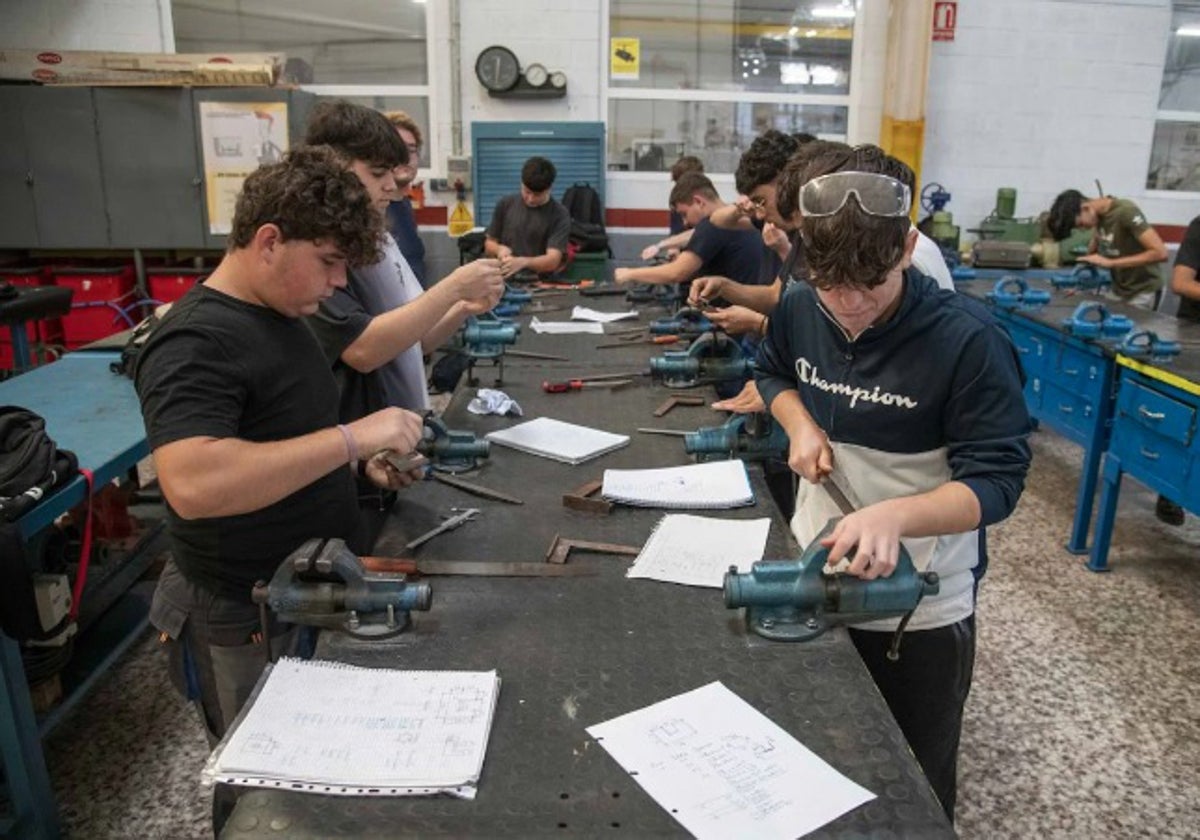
(1003, 225)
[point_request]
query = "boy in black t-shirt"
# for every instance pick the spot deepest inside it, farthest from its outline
(529, 230)
(240, 409)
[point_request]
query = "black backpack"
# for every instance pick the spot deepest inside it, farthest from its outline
(587, 218)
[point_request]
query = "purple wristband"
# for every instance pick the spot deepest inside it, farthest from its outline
(351, 446)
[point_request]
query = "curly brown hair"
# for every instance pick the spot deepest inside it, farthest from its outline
(310, 195)
(851, 247)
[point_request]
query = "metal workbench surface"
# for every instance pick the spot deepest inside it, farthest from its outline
(572, 652)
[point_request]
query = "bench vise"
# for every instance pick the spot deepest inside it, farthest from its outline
(484, 338)
(1145, 344)
(324, 584)
(687, 322)
(1085, 277)
(667, 294)
(1013, 293)
(511, 302)
(451, 450)
(751, 437)
(713, 357)
(795, 601)
(1093, 320)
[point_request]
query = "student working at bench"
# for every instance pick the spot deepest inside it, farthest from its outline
(529, 230)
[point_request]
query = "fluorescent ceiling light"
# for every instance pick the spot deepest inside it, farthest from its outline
(839, 12)
(1188, 31)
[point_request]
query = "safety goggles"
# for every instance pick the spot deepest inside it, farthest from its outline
(877, 195)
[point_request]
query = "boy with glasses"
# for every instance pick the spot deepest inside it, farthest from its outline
(909, 397)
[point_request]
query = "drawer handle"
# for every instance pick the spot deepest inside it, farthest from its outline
(1150, 415)
(1023, 350)
(1071, 371)
(1148, 455)
(1066, 409)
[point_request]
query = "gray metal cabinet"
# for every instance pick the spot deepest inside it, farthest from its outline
(152, 181)
(18, 227)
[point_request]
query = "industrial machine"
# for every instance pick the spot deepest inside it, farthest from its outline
(1025, 238)
(324, 584)
(451, 450)
(795, 601)
(751, 437)
(711, 358)
(939, 225)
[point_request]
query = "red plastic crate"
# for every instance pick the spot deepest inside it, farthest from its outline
(47, 331)
(101, 296)
(170, 284)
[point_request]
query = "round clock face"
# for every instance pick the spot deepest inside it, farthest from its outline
(497, 68)
(536, 75)
(558, 79)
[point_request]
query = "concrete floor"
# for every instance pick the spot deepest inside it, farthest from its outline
(1084, 719)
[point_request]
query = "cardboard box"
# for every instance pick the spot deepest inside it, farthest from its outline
(65, 67)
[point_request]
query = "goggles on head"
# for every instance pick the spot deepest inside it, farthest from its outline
(877, 195)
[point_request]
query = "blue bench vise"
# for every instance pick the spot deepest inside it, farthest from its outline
(795, 601)
(1013, 293)
(667, 294)
(324, 584)
(751, 437)
(484, 338)
(688, 322)
(713, 357)
(1093, 320)
(962, 273)
(1145, 344)
(1085, 277)
(451, 450)
(511, 302)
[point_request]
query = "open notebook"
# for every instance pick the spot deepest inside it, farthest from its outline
(558, 440)
(715, 484)
(326, 727)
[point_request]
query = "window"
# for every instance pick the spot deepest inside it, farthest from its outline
(709, 76)
(366, 51)
(1175, 154)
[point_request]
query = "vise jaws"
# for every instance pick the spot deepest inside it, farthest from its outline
(1093, 320)
(484, 338)
(751, 437)
(688, 321)
(1013, 293)
(451, 450)
(713, 357)
(324, 584)
(1145, 344)
(1085, 277)
(511, 302)
(795, 601)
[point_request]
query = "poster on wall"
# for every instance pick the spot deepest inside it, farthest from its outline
(945, 19)
(625, 59)
(237, 137)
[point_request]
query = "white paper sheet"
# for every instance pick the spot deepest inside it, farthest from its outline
(564, 327)
(583, 313)
(698, 550)
(723, 769)
(550, 438)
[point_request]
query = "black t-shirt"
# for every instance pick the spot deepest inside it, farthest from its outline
(1189, 255)
(220, 367)
(732, 253)
(794, 268)
(530, 231)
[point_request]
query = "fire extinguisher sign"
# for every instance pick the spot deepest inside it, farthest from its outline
(945, 15)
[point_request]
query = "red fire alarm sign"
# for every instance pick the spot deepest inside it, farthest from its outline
(945, 15)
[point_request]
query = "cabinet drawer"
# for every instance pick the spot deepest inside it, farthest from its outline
(1063, 408)
(1030, 348)
(1157, 461)
(1157, 412)
(1079, 372)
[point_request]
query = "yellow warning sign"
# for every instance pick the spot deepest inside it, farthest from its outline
(625, 56)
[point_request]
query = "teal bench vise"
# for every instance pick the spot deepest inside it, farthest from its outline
(687, 322)
(1085, 277)
(751, 437)
(324, 584)
(1093, 320)
(1145, 344)
(666, 294)
(794, 601)
(713, 357)
(1013, 293)
(451, 450)
(511, 302)
(484, 338)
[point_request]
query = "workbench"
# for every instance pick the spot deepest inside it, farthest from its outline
(572, 652)
(1088, 392)
(94, 413)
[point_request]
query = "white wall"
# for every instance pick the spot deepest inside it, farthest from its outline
(1040, 95)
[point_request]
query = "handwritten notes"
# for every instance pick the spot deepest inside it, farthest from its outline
(697, 551)
(716, 484)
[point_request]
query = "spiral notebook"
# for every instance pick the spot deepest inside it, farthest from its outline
(716, 484)
(326, 727)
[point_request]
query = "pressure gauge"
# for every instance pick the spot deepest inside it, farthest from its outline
(497, 68)
(558, 79)
(536, 75)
